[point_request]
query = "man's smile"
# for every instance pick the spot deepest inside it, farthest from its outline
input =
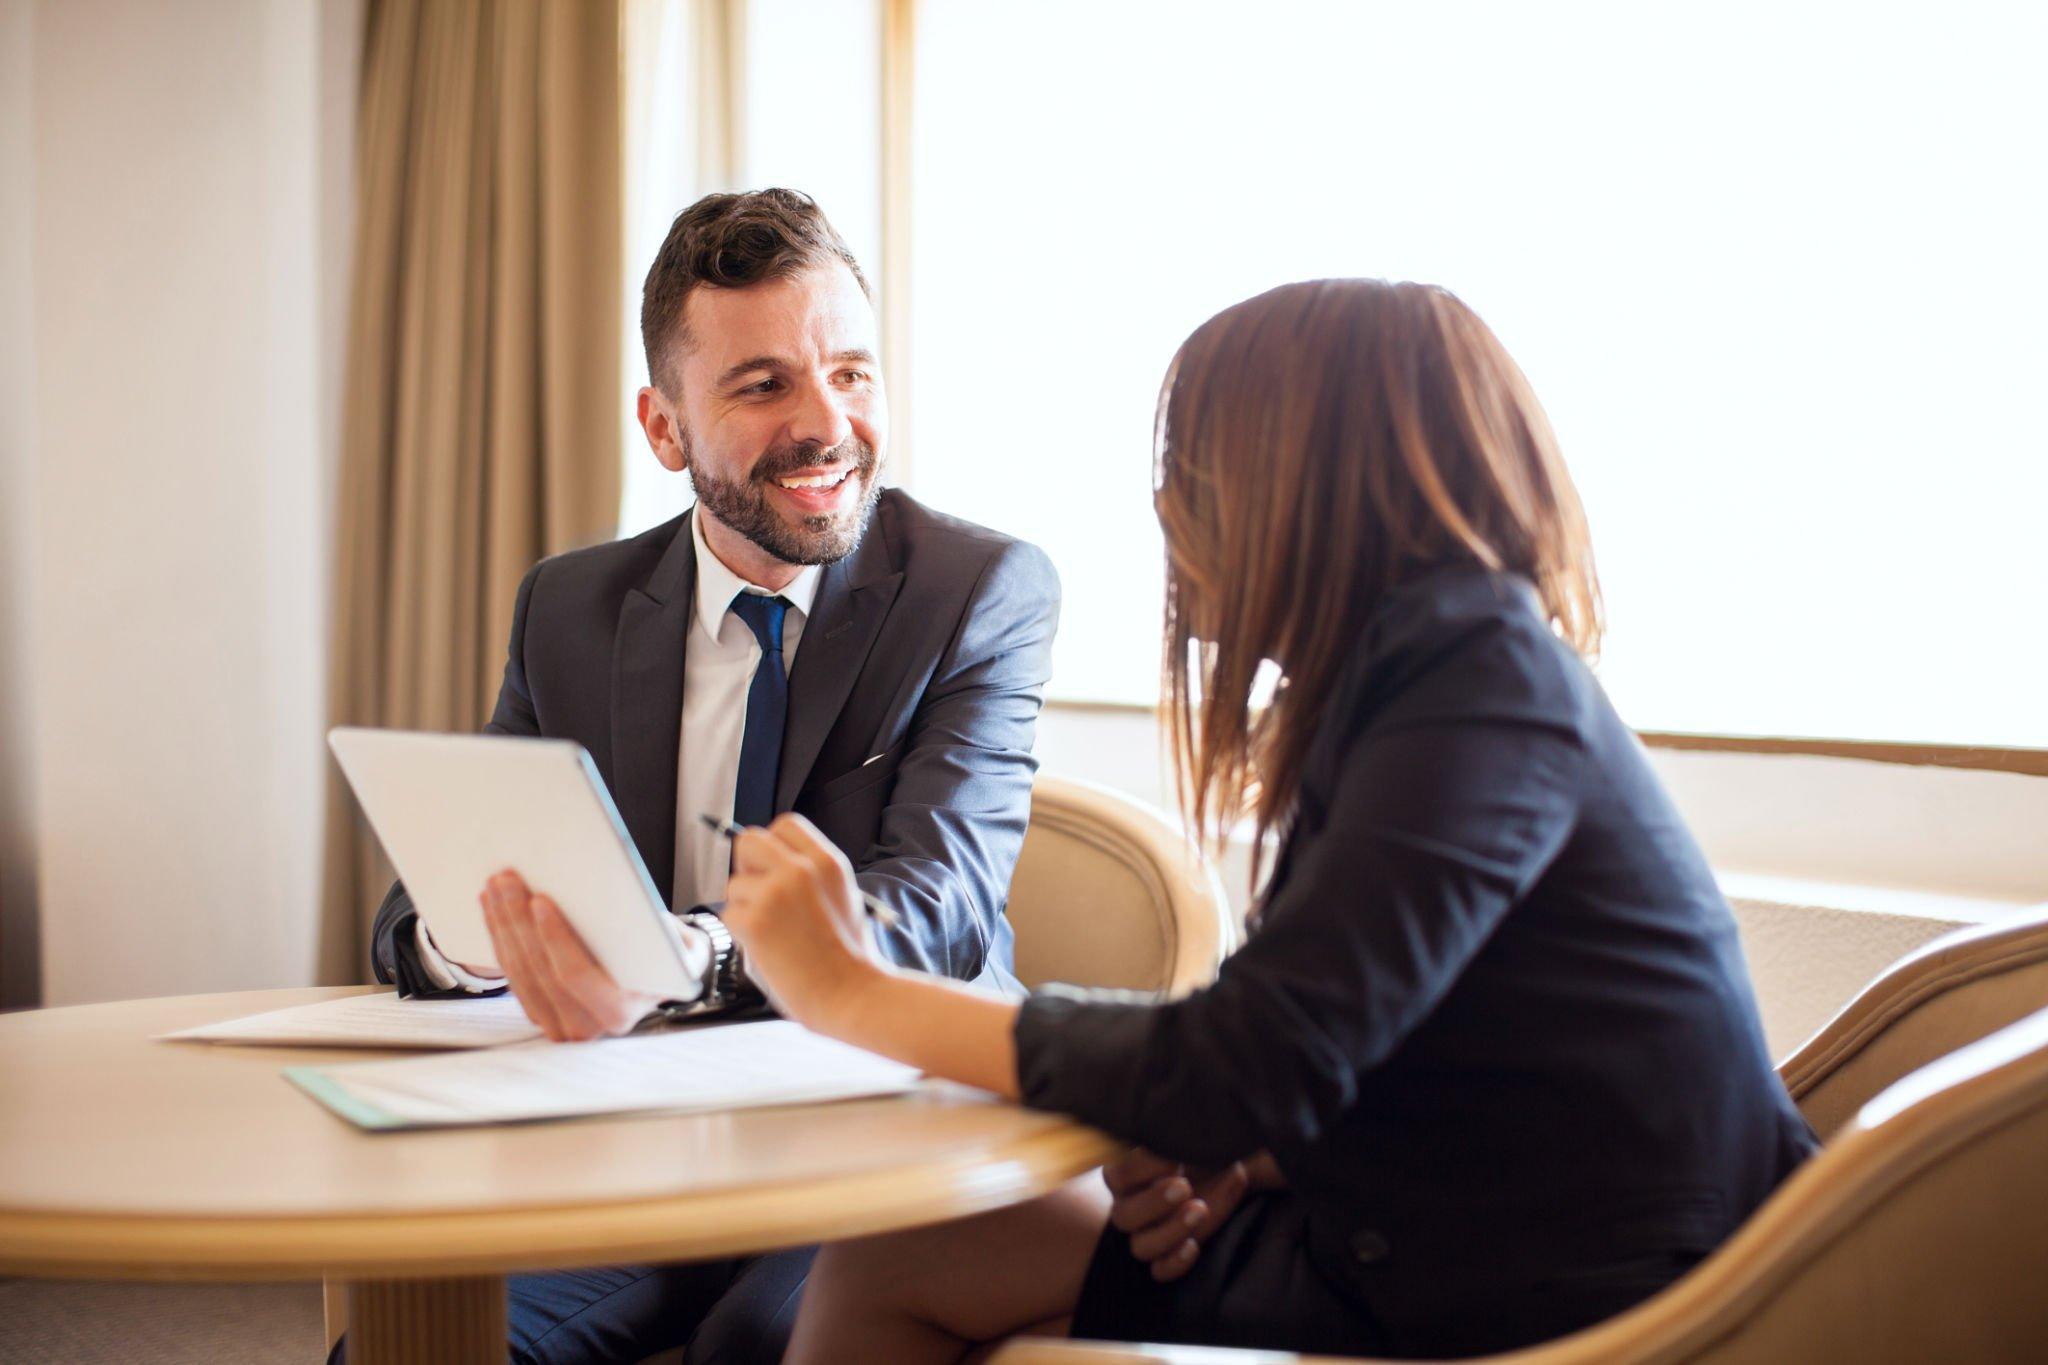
(822, 478)
(818, 495)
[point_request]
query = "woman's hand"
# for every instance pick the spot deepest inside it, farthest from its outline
(795, 911)
(1170, 1210)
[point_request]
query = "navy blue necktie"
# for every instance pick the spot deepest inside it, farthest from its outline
(753, 798)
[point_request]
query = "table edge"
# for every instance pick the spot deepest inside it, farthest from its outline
(695, 1226)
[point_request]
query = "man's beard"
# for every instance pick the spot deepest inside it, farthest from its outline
(743, 505)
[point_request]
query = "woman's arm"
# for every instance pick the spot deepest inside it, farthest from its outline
(796, 911)
(1444, 813)
(935, 1024)
(1433, 833)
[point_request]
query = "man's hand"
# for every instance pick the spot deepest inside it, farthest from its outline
(557, 981)
(1170, 1210)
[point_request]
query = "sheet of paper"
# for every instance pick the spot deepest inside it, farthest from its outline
(724, 1066)
(380, 1020)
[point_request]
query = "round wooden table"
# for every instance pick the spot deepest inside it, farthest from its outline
(126, 1158)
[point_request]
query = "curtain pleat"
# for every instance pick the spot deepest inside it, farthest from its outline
(480, 415)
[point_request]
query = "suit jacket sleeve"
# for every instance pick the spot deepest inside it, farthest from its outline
(393, 953)
(1441, 818)
(949, 838)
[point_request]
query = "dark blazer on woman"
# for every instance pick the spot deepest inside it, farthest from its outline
(1493, 1023)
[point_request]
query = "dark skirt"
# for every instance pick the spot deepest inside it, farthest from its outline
(1253, 1285)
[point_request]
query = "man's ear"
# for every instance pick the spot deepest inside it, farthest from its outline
(663, 428)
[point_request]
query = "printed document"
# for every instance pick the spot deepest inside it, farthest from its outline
(722, 1066)
(379, 1020)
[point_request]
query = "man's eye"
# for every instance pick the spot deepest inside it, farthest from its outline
(765, 386)
(854, 376)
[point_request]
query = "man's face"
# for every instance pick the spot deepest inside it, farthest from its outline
(780, 416)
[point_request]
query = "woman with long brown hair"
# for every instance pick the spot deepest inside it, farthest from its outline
(1488, 1068)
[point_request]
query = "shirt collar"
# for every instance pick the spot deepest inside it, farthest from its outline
(717, 585)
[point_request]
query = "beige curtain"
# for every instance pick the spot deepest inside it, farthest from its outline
(481, 408)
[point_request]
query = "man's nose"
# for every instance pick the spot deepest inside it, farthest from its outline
(821, 419)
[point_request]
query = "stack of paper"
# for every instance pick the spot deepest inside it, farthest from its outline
(380, 1020)
(727, 1066)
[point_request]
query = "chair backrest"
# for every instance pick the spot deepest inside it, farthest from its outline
(1917, 1235)
(1109, 893)
(1953, 991)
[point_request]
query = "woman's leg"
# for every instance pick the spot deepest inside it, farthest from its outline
(931, 1294)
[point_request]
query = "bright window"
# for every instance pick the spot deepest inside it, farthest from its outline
(1775, 269)
(659, 92)
(809, 112)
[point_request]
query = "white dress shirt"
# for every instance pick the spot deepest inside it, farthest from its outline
(718, 669)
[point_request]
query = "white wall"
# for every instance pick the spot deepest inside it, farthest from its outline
(1836, 868)
(190, 229)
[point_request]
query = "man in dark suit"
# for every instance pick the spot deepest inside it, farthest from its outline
(801, 640)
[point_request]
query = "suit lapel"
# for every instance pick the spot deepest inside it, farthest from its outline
(647, 705)
(853, 599)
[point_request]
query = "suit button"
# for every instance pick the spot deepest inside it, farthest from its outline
(1369, 1247)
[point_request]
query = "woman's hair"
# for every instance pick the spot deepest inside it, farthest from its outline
(1317, 446)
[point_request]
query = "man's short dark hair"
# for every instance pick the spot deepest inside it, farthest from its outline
(729, 241)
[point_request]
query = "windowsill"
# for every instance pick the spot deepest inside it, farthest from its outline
(1989, 758)
(1817, 894)
(1805, 893)
(1935, 844)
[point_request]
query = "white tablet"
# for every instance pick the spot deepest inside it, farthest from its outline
(453, 810)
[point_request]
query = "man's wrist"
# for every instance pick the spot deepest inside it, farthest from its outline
(725, 981)
(444, 971)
